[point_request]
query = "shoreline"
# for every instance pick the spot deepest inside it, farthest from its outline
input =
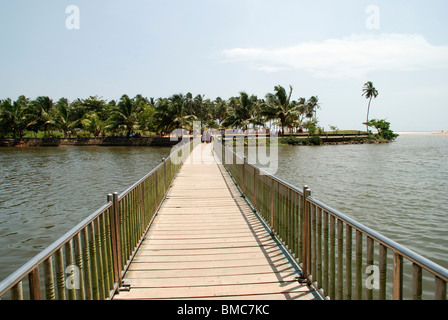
(99, 142)
(422, 133)
(167, 142)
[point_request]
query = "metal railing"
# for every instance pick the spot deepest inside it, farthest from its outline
(339, 256)
(89, 261)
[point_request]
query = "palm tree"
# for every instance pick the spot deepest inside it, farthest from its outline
(125, 114)
(370, 92)
(280, 106)
(241, 110)
(180, 116)
(63, 117)
(13, 116)
(220, 110)
(92, 123)
(146, 119)
(172, 113)
(313, 104)
(41, 114)
(162, 116)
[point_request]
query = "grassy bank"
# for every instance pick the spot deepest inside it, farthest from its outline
(306, 140)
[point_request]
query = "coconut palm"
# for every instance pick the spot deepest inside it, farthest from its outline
(125, 114)
(220, 110)
(241, 111)
(92, 123)
(280, 106)
(146, 119)
(13, 116)
(370, 92)
(97, 105)
(40, 115)
(171, 113)
(313, 104)
(63, 116)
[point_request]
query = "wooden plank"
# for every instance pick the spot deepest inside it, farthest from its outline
(145, 263)
(214, 291)
(205, 257)
(207, 243)
(207, 251)
(268, 277)
(210, 272)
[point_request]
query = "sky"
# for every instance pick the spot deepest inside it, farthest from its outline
(218, 48)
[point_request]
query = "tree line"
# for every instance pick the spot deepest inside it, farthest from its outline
(97, 116)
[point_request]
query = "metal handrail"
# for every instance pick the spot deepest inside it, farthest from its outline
(29, 266)
(414, 257)
(313, 234)
(100, 246)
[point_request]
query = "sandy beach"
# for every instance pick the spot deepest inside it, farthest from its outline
(420, 133)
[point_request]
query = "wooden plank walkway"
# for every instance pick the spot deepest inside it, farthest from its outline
(206, 243)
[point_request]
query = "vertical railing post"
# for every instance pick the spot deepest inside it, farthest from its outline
(369, 262)
(398, 277)
(34, 283)
(383, 272)
(142, 195)
(49, 280)
(17, 292)
(115, 237)
(348, 263)
(255, 188)
(416, 282)
(156, 185)
(358, 258)
(164, 173)
(244, 176)
(306, 235)
(272, 206)
(440, 291)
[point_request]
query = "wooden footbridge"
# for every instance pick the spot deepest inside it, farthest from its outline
(206, 242)
(205, 224)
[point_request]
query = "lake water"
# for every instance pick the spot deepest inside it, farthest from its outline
(47, 191)
(399, 189)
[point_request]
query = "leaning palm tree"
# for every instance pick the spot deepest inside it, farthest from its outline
(370, 92)
(313, 104)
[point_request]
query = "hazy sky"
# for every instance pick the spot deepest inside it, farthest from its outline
(327, 48)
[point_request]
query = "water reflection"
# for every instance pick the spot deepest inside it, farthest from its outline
(47, 191)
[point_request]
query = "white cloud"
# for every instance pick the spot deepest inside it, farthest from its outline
(349, 57)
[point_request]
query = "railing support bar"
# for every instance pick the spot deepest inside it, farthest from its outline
(306, 236)
(115, 235)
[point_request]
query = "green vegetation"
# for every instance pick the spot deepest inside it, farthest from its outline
(96, 116)
(311, 141)
(383, 128)
(370, 92)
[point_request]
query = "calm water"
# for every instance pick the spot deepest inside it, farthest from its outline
(47, 191)
(398, 189)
